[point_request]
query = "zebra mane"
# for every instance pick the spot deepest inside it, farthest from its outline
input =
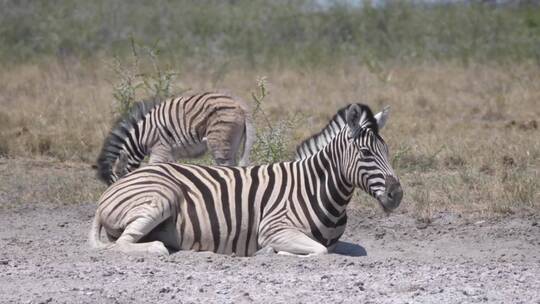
(319, 140)
(112, 146)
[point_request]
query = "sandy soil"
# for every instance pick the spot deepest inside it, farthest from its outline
(44, 258)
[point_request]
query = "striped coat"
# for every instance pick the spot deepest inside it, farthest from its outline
(319, 140)
(182, 127)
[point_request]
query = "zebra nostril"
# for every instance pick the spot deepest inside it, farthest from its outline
(393, 189)
(397, 194)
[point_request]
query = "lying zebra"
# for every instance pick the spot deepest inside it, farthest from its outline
(179, 127)
(292, 207)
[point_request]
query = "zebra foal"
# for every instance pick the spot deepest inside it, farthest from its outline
(185, 126)
(294, 207)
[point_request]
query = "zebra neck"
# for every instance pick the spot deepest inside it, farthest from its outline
(132, 149)
(329, 186)
(323, 197)
(319, 140)
(147, 135)
(335, 153)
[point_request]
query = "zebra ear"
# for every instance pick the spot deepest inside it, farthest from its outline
(382, 117)
(353, 116)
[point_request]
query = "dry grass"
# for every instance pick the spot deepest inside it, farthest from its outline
(45, 180)
(464, 139)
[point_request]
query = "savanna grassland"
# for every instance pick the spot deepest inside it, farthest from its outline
(462, 81)
(462, 138)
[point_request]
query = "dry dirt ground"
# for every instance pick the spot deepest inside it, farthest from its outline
(44, 257)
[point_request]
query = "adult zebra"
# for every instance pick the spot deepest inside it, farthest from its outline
(319, 140)
(179, 127)
(293, 207)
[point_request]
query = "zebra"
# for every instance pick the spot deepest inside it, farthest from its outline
(185, 126)
(296, 207)
(317, 141)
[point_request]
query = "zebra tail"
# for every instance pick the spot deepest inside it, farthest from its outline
(249, 139)
(94, 238)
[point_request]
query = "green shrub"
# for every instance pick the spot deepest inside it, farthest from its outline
(273, 137)
(140, 75)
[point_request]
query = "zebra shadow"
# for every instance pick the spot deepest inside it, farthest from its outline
(349, 249)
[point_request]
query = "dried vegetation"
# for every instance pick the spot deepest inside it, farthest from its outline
(463, 131)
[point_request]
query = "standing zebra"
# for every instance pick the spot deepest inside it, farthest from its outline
(292, 207)
(317, 141)
(178, 127)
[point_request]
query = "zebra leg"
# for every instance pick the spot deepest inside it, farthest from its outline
(332, 248)
(224, 142)
(266, 251)
(142, 224)
(294, 242)
(127, 244)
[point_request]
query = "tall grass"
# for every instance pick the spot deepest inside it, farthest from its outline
(258, 33)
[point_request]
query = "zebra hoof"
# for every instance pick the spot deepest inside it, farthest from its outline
(157, 248)
(266, 251)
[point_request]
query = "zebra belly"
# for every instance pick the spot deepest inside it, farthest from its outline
(196, 235)
(191, 150)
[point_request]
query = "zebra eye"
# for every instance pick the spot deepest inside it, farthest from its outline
(365, 152)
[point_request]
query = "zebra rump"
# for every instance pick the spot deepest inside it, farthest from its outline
(112, 151)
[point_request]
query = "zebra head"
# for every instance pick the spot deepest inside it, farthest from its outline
(366, 160)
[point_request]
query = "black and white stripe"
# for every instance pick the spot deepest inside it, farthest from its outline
(294, 207)
(319, 140)
(179, 127)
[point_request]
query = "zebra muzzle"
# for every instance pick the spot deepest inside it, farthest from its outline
(391, 198)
